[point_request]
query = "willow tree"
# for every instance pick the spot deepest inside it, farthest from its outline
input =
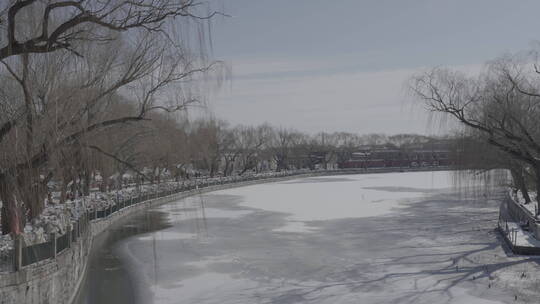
(250, 145)
(65, 62)
(281, 145)
(501, 106)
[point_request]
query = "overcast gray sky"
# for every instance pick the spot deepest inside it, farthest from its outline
(340, 65)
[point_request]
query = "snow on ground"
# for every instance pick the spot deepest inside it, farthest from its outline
(519, 237)
(426, 243)
(517, 196)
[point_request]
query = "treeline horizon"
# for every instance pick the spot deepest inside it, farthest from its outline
(84, 87)
(165, 142)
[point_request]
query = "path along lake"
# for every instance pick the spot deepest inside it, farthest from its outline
(370, 238)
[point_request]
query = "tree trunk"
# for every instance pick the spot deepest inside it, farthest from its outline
(86, 185)
(73, 187)
(31, 191)
(537, 176)
(227, 170)
(11, 213)
(212, 169)
(103, 184)
(4, 219)
(63, 191)
(517, 176)
(244, 170)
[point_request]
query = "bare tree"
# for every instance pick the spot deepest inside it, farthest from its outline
(346, 145)
(66, 64)
(61, 24)
(500, 105)
(250, 144)
(210, 141)
(281, 145)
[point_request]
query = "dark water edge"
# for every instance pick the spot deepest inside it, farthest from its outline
(107, 279)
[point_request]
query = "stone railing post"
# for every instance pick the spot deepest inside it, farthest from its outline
(54, 246)
(17, 258)
(69, 233)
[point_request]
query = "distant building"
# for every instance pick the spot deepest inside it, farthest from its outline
(397, 158)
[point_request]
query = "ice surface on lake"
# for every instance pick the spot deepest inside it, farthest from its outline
(327, 198)
(295, 227)
(322, 240)
(166, 235)
(193, 207)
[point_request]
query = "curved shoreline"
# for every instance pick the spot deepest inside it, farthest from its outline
(58, 280)
(247, 249)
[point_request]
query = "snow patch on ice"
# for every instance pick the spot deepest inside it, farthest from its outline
(194, 208)
(310, 200)
(296, 227)
(196, 290)
(166, 235)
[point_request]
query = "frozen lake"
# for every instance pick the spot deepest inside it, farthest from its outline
(373, 238)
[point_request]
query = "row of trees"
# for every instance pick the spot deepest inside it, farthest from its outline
(499, 110)
(78, 74)
(172, 147)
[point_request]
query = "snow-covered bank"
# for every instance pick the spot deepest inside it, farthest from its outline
(519, 224)
(56, 218)
(56, 280)
(518, 197)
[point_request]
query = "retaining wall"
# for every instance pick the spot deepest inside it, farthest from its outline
(512, 211)
(520, 214)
